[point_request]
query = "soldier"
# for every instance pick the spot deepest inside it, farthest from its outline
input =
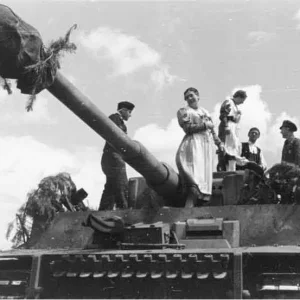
(113, 166)
(291, 148)
(228, 130)
(251, 151)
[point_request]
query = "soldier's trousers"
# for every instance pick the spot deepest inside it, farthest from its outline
(116, 186)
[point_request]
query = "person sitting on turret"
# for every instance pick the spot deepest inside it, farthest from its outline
(113, 166)
(291, 147)
(230, 116)
(194, 157)
(251, 152)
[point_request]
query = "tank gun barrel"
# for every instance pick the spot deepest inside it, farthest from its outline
(23, 57)
(161, 177)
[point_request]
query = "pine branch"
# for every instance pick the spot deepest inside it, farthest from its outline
(6, 85)
(49, 64)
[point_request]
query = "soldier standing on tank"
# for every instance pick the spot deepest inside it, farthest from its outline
(113, 166)
(291, 147)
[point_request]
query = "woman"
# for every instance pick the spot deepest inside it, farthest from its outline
(194, 157)
(230, 117)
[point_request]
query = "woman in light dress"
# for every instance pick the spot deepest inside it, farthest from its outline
(194, 157)
(230, 117)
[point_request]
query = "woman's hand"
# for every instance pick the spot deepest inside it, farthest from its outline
(221, 149)
(210, 125)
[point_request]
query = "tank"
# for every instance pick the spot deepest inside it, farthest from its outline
(162, 249)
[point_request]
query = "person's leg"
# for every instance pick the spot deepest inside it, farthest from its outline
(121, 188)
(108, 196)
(231, 166)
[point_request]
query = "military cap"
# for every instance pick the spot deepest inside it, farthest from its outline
(292, 127)
(125, 104)
(254, 129)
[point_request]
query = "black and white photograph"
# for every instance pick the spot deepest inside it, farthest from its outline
(150, 149)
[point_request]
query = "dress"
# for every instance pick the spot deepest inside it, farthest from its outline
(229, 117)
(113, 166)
(194, 157)
(291, 151)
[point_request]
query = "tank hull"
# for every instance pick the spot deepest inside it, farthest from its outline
(260, 225)
(265, 265)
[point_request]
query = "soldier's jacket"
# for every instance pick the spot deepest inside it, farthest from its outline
(291, 151)
(117, 119)
(113, 166)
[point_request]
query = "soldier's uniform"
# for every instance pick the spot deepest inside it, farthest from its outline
(291, 151)
(291, 147)
(113, 166)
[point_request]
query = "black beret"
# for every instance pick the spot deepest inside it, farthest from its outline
(292, 127)
(125, 104)
(254, 129)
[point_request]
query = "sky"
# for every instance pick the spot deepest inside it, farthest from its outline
(148, 53)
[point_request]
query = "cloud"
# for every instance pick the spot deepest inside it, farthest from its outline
(25, 161)
(163, 143)
(127, 53)
(161, 77)
(258, 38)
(13, 113)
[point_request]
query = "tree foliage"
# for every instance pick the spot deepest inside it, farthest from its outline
(46, 201)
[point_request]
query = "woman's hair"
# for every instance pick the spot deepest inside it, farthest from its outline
(191, 89)
(240, 93)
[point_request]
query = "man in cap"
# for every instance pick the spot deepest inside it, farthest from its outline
(113, 166)
(251, 152)
(230, 116)
(291, 147)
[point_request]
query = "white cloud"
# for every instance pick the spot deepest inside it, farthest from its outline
(24, 161)
(163, 143)
(162, 77)
(259, 37)
(127, 53)
(14, 113)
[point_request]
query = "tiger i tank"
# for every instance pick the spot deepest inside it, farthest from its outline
(157, 248)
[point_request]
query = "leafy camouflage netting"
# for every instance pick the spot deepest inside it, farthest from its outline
(46, 201)
(24, 57)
